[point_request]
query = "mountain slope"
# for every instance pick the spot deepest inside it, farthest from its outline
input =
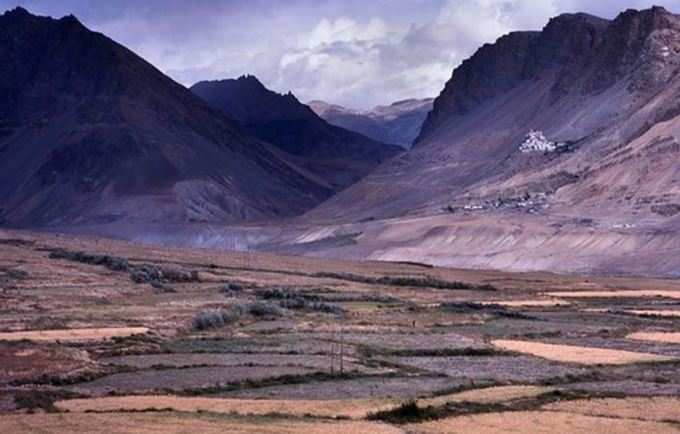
(398, 123)
(590, 83)
(556, 149)
(91, 133)
(339, 156)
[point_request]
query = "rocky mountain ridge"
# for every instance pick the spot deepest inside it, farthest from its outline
(397, 123)
(606, 199)
(338, 156)
(91, 133)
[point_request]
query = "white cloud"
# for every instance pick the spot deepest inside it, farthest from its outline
(354, 52)
(361, 64)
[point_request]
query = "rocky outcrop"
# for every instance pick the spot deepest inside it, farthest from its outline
(564, 47)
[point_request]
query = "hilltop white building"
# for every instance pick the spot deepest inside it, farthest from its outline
(537, 142)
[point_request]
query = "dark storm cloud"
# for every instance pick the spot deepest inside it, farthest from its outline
(356, 53)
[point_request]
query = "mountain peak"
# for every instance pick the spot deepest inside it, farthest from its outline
(17, 12)
(70, 19)
(248, 78)
(93, 117)
(578, 17)
(282, 120)
(658, 16)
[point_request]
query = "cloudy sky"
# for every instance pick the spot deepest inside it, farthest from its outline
(358, 53)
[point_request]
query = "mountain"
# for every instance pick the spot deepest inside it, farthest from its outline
(91, 133)
(556, 149)
(338, 156)
(398, 123)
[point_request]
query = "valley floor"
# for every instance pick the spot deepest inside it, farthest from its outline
(132, 338)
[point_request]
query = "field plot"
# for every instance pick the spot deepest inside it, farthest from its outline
(547, 422)
(654, 409)
(407, 340)
(403, 388)
(281, 343)
(130, 338)
(580, 355)
(183, 360)
(24, 361)
(488, 395)
(659, 312)
(180, 379)
(654, 386)
(526, 303)
(170, 423)
(498, 368)
(347, 408)
(666, 337)
(537, 324)
(73, 335)
(645, 293)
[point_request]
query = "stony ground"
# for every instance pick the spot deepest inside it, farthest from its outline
(92, 330)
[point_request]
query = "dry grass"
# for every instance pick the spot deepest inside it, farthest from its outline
(643, 293)
(580, 355)
(59, 295)
(488, 395)
(665, 337)
(73, 335)
(347, 408)
(24, 361)
(660, 409)
(171, 423)
(664, 313)
(351, 408)
(527, 303)
(534, 422)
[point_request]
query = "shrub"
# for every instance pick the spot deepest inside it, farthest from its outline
(234, 287)
(284, 294)
(293, 304)
(231, 289)
(406, 412)
(17, 274)
(144, 273)
(147, 273)
(314, 306)
(113, 263)
(423, 282)
(217, 318)
(295, 300)
(162, 288)
(261, 309)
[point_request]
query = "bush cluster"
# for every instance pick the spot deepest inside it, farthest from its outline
(296, 300)
(143, 273)
(231, 289)
(217, 318)
(423, 282)
(261, 309)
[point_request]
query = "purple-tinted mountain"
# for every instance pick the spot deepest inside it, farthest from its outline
(339, 156)
(397, 123)
(91, 133)
(553, 149)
